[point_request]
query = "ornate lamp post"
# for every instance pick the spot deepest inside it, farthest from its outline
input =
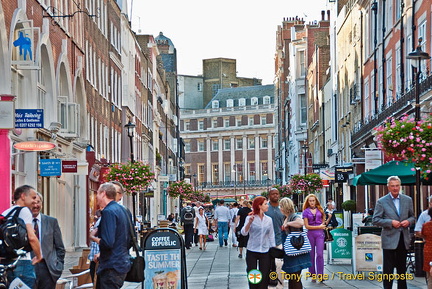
(130, 127)
(416, 57)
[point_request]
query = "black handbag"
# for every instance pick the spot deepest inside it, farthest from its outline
(136, 272)
(276, 252)
(297, 241)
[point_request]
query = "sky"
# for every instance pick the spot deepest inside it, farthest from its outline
(236, 29)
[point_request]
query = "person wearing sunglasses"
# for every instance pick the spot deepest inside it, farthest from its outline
(314, 221)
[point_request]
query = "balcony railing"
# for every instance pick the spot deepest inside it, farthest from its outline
(238, 184)
(401, 106)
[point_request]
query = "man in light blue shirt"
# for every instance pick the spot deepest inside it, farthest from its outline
(222, 217)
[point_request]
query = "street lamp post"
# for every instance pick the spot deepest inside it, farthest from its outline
(235, 182)
(305, 148)
(130, 127)
(417, 56)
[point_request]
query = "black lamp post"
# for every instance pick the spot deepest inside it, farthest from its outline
(235, 182)
(130, 127)
(417, 56)
(305, 148)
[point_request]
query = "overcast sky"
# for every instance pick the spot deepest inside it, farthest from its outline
(237, 29)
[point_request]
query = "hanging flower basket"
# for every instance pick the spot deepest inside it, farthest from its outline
(180, 189)
(284, 190)
(406, 139)
(309, 183)
(134, 177)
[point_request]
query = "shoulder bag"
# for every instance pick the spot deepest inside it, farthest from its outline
(136, 272)
(297, 242)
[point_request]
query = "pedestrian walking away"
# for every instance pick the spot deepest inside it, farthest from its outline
(221, 219)
(187, 217)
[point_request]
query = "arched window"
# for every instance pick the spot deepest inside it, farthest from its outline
(215, 104)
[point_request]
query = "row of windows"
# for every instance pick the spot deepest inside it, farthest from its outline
(237, 173)
(241, 102)
(226, 143)
(226, 122)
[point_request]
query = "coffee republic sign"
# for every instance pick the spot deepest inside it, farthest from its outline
(35, 146)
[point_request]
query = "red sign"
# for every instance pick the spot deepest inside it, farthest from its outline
(35, 146)
(69, 166)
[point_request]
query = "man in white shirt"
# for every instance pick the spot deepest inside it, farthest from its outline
(221, 219)
(25, 196)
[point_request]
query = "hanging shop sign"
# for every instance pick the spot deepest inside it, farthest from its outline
(50, 167)
(35, 146)
(7, 108)
(29, 118)
(70, 166)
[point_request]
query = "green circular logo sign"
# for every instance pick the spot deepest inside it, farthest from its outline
(255, 276)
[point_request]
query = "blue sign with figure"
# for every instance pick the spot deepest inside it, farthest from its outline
(29, 118)
(50, 167)
(24, 43)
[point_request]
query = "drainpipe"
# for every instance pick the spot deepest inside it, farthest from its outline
(374, 8)
(384, 92)
(402, 53)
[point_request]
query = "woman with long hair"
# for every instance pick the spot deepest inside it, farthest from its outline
(259, 227)
(240, 220)
(314, 221)
(293, 264)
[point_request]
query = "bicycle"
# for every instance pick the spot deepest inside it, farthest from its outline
(4, 268)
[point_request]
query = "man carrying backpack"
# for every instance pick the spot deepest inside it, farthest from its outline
(24, 197)
(187, 217)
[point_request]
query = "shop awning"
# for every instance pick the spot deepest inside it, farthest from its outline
(378, 176)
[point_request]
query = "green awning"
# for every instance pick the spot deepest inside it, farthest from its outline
(378, 176)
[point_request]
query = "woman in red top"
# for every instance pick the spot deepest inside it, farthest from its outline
(427, 250)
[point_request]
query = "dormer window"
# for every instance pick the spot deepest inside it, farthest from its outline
(266, 99)
(215, 104)
(254, 100)
(242, 102)
(230, 102)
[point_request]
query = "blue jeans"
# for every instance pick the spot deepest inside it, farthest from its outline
(110, 279)
(222, 232)
(25, 271)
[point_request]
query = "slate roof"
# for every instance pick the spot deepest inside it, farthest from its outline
(246, 92)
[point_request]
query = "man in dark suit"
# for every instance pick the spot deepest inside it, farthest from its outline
(53, 251)
(395, 214)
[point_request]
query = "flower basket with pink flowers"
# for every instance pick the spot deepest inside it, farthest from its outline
(406, 139)
(309, 183)
(134, 176)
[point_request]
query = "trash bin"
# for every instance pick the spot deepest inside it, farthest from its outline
(418, 254)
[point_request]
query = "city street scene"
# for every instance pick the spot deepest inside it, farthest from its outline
(216, 146)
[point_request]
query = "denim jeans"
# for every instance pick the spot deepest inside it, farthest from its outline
(25, 271)
(222, 232)
(110, 279)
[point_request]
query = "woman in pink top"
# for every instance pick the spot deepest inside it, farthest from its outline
(314, 221)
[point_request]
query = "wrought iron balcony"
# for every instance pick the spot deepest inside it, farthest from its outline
(396, 109)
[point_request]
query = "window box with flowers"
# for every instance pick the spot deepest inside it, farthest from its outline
(308, 184)
(134, 176)
(406, 139)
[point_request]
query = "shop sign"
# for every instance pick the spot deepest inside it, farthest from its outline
(342, 244)
(7, 108)
(29, 118)
(163, 260)
(368, 253)
(69, 166)
(35, 146)
(50, 167)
